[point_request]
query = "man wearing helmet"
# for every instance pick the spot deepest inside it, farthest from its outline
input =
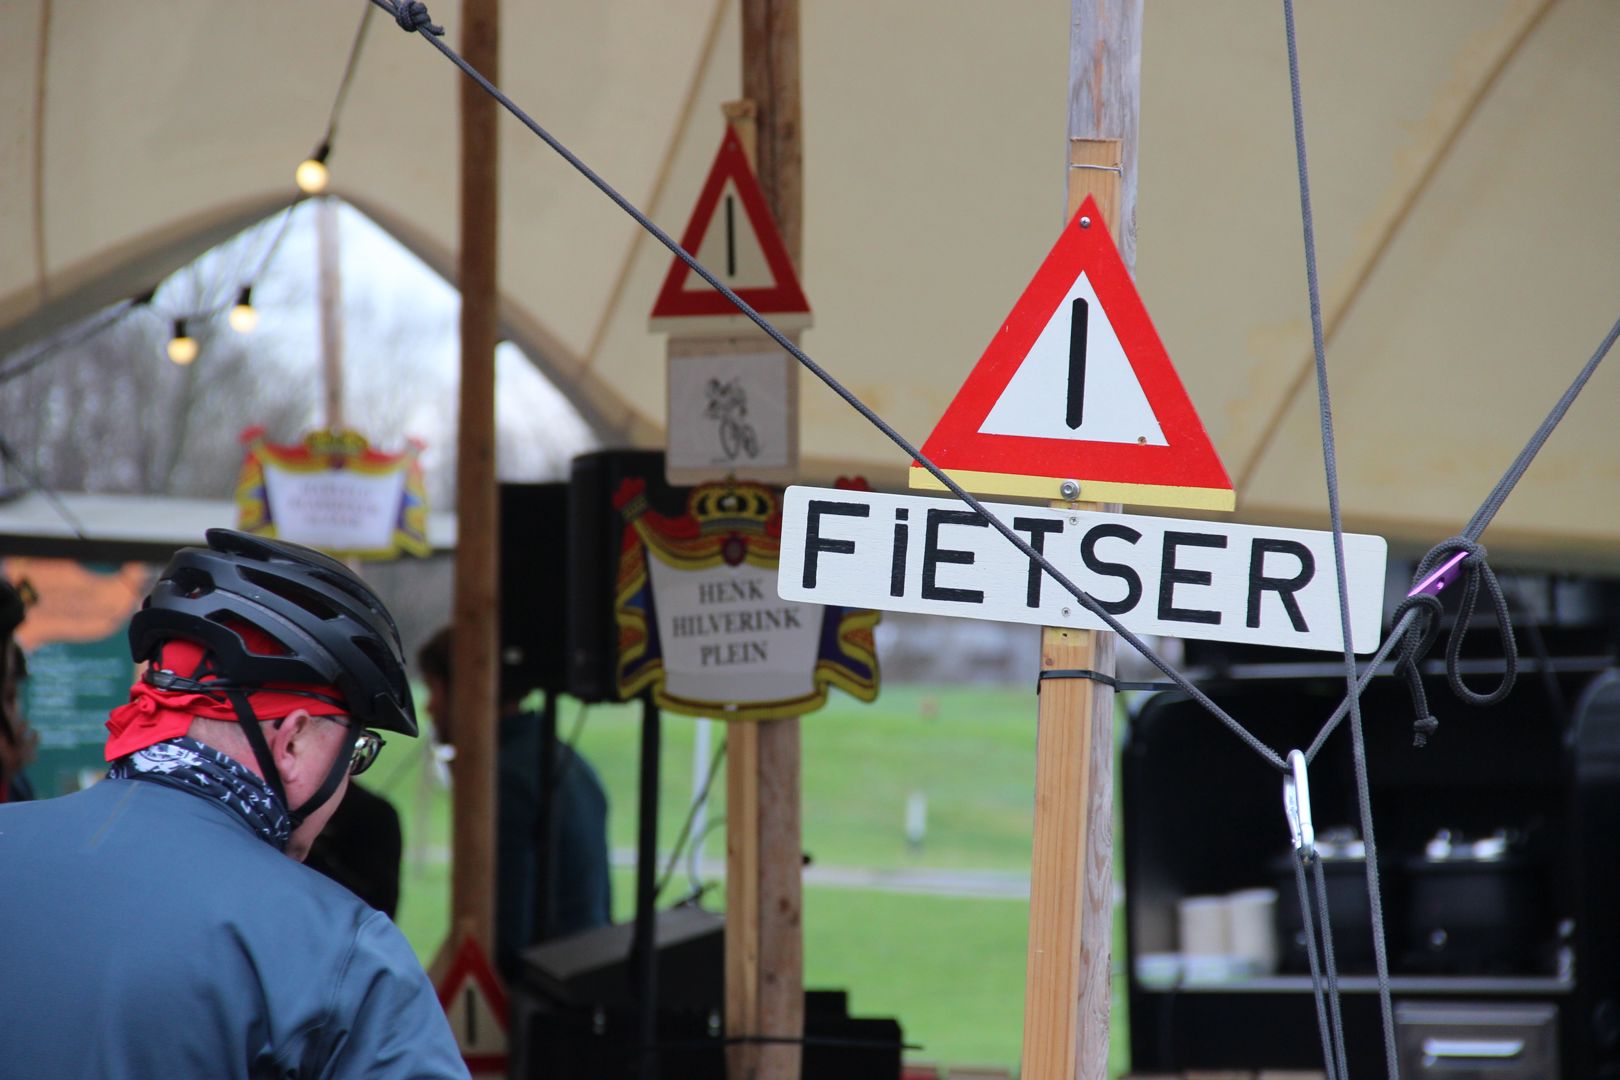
(154, 926)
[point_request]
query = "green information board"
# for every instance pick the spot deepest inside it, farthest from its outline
(70, 688)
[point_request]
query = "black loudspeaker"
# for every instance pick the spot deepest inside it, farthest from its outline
(595, 534)
(574, 1009)
(573, 1012)
(533, 593)
(595, 967)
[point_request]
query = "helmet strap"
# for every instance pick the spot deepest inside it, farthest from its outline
(334, 777)
(267, 763)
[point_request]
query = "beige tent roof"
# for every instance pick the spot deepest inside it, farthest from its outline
(1465, 165)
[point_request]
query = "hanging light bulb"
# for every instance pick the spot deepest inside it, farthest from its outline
(182, 347)
(244, 316)
(311, 175)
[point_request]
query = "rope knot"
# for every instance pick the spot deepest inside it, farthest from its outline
(1474, 549)
(412, 17)
(1476, 573)
(1414, 645)
(1422, 728)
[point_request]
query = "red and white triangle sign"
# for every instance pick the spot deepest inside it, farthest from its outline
(734, 236)
(475, 1004)
(1077, 386)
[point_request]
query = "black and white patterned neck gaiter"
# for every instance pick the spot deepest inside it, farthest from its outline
(192, 766)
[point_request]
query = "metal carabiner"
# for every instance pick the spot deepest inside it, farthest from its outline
(1297, 805)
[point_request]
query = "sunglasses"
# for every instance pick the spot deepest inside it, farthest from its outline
(367, 745)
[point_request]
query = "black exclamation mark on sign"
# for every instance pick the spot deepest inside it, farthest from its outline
(472, 1022)
(1077, 362)
(731, 238)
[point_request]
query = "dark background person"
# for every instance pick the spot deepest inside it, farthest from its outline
(361, 848)
(17, 739)
(159, 923)
(578, 891)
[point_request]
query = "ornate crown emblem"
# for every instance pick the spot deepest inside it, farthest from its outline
(732, 507)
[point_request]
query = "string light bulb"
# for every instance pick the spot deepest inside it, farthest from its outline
(244, 316)
(311, 175)
(182, 346)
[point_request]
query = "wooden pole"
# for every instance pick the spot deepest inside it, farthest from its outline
(764, 847)
(1067, 991)
(472, 654)
(770, 77)
(1105, 62)
(329, 273)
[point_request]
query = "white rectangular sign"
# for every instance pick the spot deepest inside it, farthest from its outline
(729, 415)
(1176, 577)
(338, 510)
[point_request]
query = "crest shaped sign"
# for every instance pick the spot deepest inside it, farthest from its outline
(700, 622)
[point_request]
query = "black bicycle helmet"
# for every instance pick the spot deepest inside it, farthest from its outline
(333, 627)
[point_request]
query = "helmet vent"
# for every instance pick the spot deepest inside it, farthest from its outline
(305, 597)
(193, 583)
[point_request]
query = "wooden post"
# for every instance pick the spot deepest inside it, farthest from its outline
(329, 273)
(770, 77)
(764, 848)
(472, 654)
(1067, 988)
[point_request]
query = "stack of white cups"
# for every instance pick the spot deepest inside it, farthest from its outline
(1251, 928)
(1230, 936)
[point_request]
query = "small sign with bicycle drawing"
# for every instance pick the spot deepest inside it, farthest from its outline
(728, 408)
(731, 414)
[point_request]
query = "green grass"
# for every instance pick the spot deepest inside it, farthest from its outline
(950, 969)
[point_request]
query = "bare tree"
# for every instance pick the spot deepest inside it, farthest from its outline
(112, 414)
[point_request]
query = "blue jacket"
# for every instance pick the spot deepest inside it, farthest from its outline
(146, 931)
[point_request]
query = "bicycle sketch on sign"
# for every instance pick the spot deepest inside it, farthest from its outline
(728, 407)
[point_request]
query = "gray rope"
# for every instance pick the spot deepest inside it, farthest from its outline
(1311, 954)
(1493, 502)
(1392, 639)
(1330, 966)
(1357, 743)
(1426, 610)
(414, 14)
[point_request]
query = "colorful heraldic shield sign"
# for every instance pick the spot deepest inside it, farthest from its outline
(336, 493)
(700, 622)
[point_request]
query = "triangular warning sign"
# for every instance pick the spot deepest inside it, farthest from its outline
(734, 236)
(1077, 386)
(475, 1003)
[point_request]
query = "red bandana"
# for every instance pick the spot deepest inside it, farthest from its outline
(154, 715)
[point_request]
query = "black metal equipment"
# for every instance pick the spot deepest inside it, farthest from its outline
(595, 529)
(534, 588)
(1496, 850)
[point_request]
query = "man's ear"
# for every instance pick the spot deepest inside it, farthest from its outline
(292, 743)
